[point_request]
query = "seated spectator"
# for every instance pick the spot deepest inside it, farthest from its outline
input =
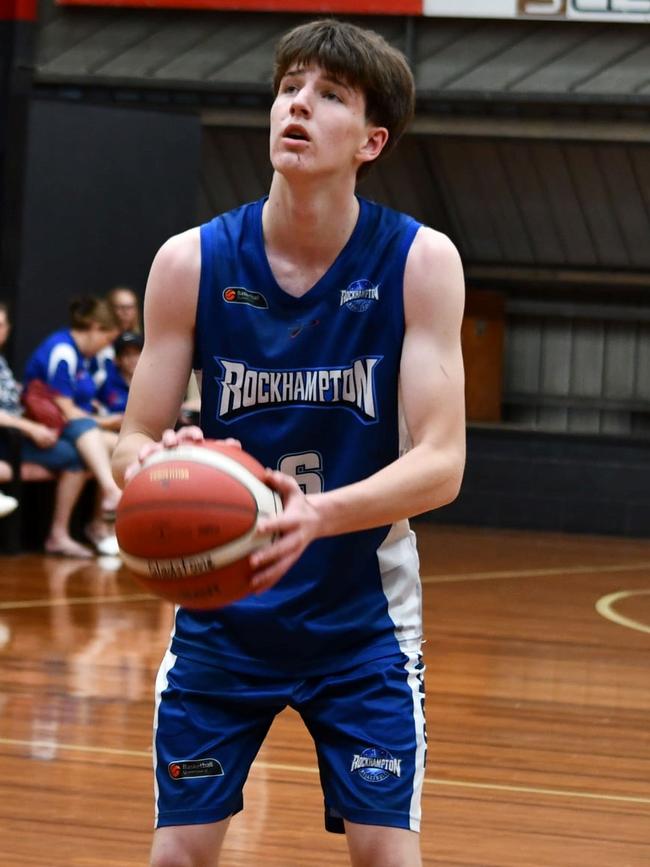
(114, 392)
(126, 307)
(42, 445)
(66, 361)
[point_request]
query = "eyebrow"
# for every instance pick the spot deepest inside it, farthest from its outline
(327, 77)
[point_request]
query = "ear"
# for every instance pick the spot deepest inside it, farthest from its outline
(374, 144)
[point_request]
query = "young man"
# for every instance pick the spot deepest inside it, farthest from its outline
(314, 317)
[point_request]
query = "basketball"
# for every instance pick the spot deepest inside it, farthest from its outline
(187, 523)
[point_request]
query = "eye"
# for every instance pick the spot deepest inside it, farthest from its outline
(331, 95)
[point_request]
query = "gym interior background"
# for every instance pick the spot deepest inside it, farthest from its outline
(530, 149)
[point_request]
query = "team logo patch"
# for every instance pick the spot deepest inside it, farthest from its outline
(195, 768)
(244, 389)
(374, 765)
(359, 296)
(239, 295)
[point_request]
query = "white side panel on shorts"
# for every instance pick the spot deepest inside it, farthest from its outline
(166, 665)
(415, 669)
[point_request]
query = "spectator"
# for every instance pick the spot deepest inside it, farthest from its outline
(41, 445)
(114, 392)
(66, 361)
(126, 306)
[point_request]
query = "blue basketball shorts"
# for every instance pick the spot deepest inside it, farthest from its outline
(367, 724)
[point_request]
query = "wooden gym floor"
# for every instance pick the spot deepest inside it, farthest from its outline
(538, 713)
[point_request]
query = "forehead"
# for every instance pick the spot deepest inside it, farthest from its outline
(320, 71)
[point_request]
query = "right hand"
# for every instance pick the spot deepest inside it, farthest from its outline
(169, 440)
(43, 436)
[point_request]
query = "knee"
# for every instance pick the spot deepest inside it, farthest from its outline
(171, 856)
(172, 851)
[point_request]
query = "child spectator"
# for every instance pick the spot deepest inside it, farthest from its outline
(66, 361)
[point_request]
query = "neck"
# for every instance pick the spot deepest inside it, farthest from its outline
(79, 338)
(309, 224)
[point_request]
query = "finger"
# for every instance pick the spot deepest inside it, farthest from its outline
(266, 578)
(169, 438)
(131, 471)
(191, 433)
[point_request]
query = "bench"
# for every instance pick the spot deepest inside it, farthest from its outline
(16, 533)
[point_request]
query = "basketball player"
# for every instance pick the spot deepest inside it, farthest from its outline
(313, 316)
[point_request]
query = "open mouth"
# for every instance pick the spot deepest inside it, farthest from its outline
(295, 134)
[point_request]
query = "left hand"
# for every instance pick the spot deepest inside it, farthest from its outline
(296, 527)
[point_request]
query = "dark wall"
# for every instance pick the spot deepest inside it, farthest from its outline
(16, 58)
(104, 188)
(554, 482)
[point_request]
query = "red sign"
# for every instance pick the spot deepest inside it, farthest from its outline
(17, 10)
(358, 7)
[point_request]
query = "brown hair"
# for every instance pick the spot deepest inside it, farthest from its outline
(362, 59)
(88, 310)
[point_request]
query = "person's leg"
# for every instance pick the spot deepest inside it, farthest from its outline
(59, 541)
(188, 845)
(209, 726)
(93, 447)
(373, 846)
(368, 726)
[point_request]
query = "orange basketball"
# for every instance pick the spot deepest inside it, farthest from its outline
(187, 523)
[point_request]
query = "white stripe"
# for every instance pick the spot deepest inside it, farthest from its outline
(399, 567)
(268, 501)
(415, 676)
(62, 352)
(168, 662)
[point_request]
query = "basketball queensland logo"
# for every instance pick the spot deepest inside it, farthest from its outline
(191, 769)
(244, 390)
(240, 295)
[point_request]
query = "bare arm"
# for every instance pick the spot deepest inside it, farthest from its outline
(432, 386)
(158, 386)
(40, 434)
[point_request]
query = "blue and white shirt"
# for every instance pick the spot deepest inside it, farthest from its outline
(309, 386)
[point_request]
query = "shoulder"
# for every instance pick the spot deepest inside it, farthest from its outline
(181, 253)
(434, 278)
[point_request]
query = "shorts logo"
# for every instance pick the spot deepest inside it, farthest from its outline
(359, 296)
(195, 768)
(239, 295)
(374, 765)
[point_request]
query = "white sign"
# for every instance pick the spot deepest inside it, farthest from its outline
(551, 10)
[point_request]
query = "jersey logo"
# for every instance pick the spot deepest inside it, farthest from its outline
(239, 295)
(194, 768)
(374, 765)
(244, 390)
(359, 296)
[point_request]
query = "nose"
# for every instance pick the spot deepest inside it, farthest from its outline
(301, 104)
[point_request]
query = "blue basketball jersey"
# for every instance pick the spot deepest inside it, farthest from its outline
(59, 362)
(309, 386)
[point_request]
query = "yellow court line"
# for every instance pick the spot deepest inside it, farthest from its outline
(535, 573)
(75, 600)
(313, 770)
(605, 607)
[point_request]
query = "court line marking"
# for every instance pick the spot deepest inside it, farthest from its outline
(75, 600)
(426, 579)
(536, 573)
(308, 769)
(605, 607)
